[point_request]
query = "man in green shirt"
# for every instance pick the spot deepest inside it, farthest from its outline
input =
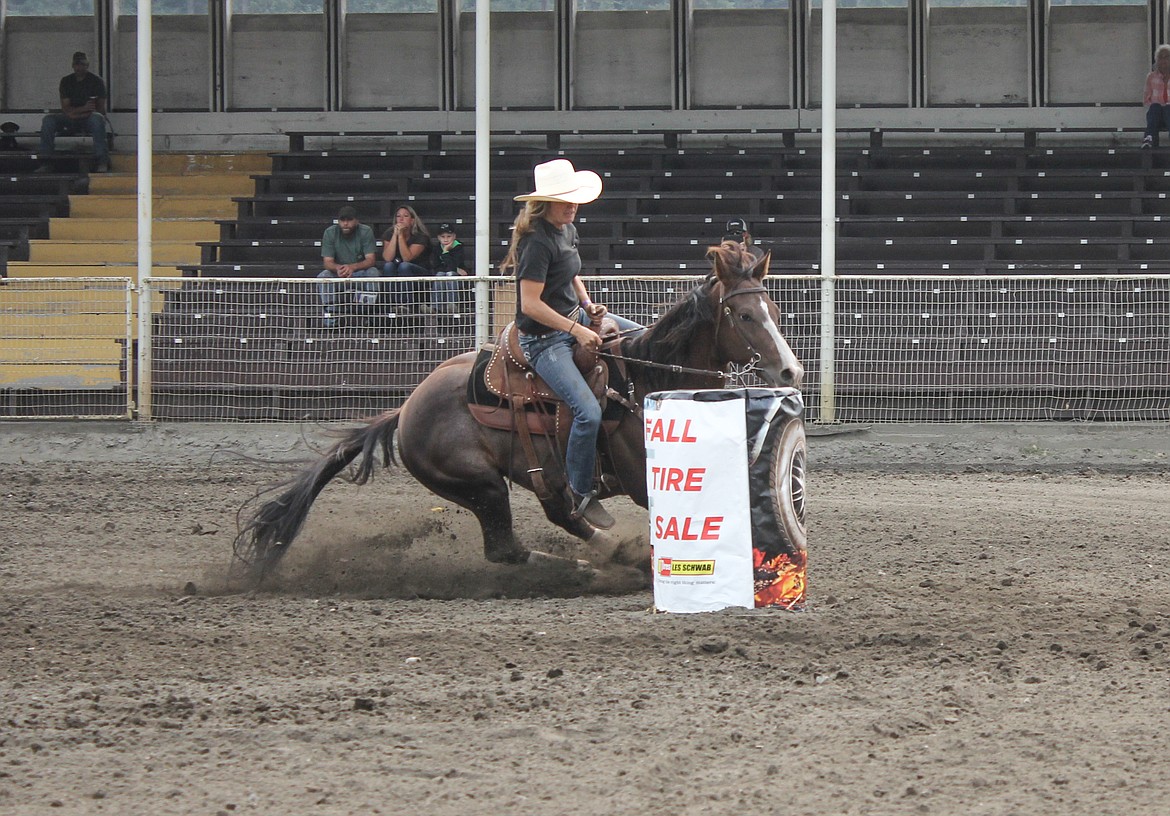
(347, 249)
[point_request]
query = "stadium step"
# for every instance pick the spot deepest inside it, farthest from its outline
(195, 164)
(220, 184)
(126, 229)
(74, 269)
(46, 346)
(61, 363)
(126, 206)
(41, 325)
(123, 252)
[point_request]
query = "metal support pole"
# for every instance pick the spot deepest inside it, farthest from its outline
(483, 136)
(828, 402)
(145, 205)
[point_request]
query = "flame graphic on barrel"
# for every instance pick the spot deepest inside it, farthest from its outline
(780, 581)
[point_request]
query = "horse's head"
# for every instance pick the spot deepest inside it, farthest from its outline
(747, 321)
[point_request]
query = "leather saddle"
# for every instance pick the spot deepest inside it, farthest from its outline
(518, 391)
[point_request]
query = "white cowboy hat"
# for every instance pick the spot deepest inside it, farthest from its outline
(556, 180)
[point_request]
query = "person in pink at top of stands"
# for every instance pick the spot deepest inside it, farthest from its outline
(1157, 97)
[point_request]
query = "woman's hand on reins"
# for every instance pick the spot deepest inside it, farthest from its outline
(586, 337)
(596, 310)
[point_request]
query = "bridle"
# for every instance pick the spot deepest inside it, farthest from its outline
(736, 372)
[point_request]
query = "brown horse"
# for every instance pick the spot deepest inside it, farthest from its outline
(728, 319)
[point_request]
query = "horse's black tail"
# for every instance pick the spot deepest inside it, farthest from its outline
(263, 540)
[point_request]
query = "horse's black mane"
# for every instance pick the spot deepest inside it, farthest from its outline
(668, 341)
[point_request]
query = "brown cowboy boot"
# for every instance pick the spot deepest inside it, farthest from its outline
(589, 508)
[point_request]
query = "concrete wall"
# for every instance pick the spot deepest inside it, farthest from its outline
(277, 61)
(622, 59)
(37, 53)
(392, 61)
(525, 82)
(978, 56)
(873, 65)
(1098, 54)
(182, 63)
(741, 57)
(265, 130)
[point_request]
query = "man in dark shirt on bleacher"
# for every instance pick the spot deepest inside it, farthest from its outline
(347, 250)
(83, 109)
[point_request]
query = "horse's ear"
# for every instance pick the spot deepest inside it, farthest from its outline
(760, 270)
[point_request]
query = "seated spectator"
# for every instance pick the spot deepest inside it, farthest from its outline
(406, 250)
(83, 111)
(1157, 97)
(449, 263)
(737, 230)
(347, 248)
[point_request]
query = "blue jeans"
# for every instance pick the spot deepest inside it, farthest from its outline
(624, 324)
(328, 291)
(551, 355)
(445, 291)
(58, 123)
(405, 295)
(1157, 118)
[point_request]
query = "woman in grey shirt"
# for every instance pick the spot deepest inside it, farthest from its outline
(554, 312)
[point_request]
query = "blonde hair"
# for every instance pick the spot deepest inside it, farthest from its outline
(417, 227)
(522, 226)
(1164, 48)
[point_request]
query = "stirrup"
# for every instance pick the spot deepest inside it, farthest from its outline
(589, 507)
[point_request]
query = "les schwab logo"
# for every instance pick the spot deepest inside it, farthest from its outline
(674, 566)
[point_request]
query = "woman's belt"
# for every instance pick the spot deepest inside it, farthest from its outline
(574, 315)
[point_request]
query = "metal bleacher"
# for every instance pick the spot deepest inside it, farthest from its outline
(934, 212)
(961, 204)
(28, 200)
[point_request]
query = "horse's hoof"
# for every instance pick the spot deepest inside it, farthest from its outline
(602, 546)
(538, 558)
(519, 555)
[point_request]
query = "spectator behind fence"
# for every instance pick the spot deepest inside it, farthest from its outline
(1157, 97)
(347, 248)
(406, 250)
(450, 263)
(83, 111)
(737, 230)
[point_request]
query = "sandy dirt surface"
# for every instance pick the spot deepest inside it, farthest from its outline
(988, 612)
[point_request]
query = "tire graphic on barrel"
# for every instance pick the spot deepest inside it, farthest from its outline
(788, 475)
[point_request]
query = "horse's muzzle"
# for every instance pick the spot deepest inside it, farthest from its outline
(789, 376)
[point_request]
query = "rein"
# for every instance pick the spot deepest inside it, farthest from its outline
(676, 369)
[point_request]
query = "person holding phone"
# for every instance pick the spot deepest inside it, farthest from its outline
(83, 112)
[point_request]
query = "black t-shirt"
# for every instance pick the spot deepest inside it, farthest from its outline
(78, 91)
(424, 257)
(550, 256)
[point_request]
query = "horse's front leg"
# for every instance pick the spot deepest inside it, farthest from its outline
(494, 513)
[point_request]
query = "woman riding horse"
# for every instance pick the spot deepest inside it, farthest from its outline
(553, 313)
(723, 321)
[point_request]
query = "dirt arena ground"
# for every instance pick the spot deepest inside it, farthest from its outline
(989, 608)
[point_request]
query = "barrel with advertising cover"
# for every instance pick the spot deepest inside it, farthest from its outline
(725, 471)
